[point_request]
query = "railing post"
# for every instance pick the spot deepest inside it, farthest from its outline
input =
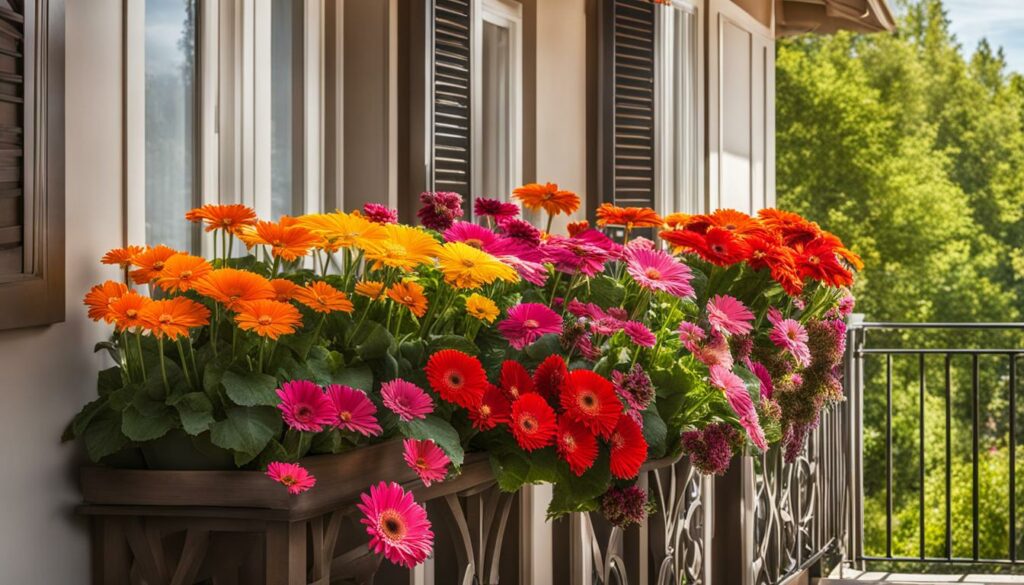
(853, 382)
(732, 542)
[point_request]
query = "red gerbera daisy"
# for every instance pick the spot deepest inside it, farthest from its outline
(533, 422)
(576, 445)
(515, 380)
(457, 377)
(629, 448)
(494, 409)
(818, 260)
(718, 245)
(550, 376)
(590, 399)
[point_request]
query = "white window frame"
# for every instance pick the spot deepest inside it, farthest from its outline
(233, 112)
(669, 200)
(509, 15)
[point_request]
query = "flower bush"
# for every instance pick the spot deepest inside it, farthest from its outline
(570, 359)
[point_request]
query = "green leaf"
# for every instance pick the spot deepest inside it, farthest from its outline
(438, 430)
(752, 382)
(246, 430)
(83, 418)
(606, 292)
(372, 340)
(328, 441)
(457, 342)
(579, 494)
(147, 426)
(655, 433)
(274, 451)
(357, 376)
(544, 347)
(109, 380)
(250, 388)
(510, 469)
(103, 435)
(212, 374)
(195, 411)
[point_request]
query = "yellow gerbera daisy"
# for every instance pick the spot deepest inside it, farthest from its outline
(342, 230)
(467, 267)
(403, 247)
(481, 307)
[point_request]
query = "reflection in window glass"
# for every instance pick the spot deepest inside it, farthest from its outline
(285, 125)
(496, 163)
(170, 39)
(684, 136)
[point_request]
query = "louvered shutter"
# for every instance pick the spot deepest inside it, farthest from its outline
(627, 128)
(12, 97)
(450, 97)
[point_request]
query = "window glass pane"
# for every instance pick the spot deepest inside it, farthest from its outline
(285, 106)
(170, 39)
(684, 136)
(496, 68)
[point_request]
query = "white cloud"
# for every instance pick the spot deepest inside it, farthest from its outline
(999, 21)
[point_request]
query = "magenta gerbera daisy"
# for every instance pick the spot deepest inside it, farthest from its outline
(406, 399)
(353, 410)
(692, 336)
(727, 315)
(715, 352)
(397, 525)
(486, 207)
(381, 214)
(791, 336)
(304, 406)
(470, 234)
(656, 270)
(639, 334)
(736, 393)
(527, 322)
(291, 475)
(426, 459)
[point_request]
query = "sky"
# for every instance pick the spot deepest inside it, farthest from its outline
(1000, 21)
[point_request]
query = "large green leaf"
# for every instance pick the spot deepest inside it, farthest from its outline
(246, 430)
(83, 418)
(103, 435)
(109, 380)
(606, 292)
(751, 381)
(579, 494)
(357, 376)
(147, 426)
(195, 411)
(510, 469)
(452, 342)
(372, 340)
(655, 433)
(542, 348)
(250, 388)
(438, 430)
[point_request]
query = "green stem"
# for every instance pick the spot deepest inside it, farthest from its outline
(551, 218)
(259, 363)
(184, 364)
(163, 366)
(554, 287)
(277, 264)
(142, 361)
(316, 336)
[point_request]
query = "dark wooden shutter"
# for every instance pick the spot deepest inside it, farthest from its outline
(627, 109)
(450, 97)
(12, 139)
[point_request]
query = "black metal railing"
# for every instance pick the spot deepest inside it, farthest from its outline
(926, 460)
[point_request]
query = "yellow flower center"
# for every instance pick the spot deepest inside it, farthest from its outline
(185, 275)
(814, 260)
(407, 299)
(587, 402)
(653, 273)
(391, 526)
(158, 265)
(265, 320)
(165, 318)
(474, 242)
(132, 313)
(531, 324)
(345, 416)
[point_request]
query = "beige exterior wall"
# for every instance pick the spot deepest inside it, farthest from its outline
(50, 372)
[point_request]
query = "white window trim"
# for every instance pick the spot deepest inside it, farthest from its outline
(233, 166)
(665, 55)
(506, 14)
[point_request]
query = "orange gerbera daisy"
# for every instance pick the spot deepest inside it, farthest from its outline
(173, 317)
(284, 289)
(230, 287)
(231, 218)
(577, 227)
(677, 220)
(181, 272)
(268, 318)
(628, 217)
(370, 288)
(126, 310)
(101, 297)
(122, 256)
(409, 294)
(150, 263)
(547, 197)
(286, 240)
(736, 222)
(324, 298)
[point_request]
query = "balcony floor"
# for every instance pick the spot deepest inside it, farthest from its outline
(854, 577)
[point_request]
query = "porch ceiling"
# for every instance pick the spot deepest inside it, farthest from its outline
(828, 16)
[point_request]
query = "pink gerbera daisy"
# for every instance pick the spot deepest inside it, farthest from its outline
(353, 410)
(291, 475)
(791, 336)
(736, 393)
(397, 525)
(486, 207)
(729, 316)
(715, 352)
(426, 459)
(304, 406)
(470, 234)
(639, 334)
(527, 322)
(692, 336)
(656, 270)
(406, 399)
(759, 370)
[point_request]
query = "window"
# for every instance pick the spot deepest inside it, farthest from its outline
(680, 155)
(31, 163)
(170, 121)
(500, 109)
(224, 105)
